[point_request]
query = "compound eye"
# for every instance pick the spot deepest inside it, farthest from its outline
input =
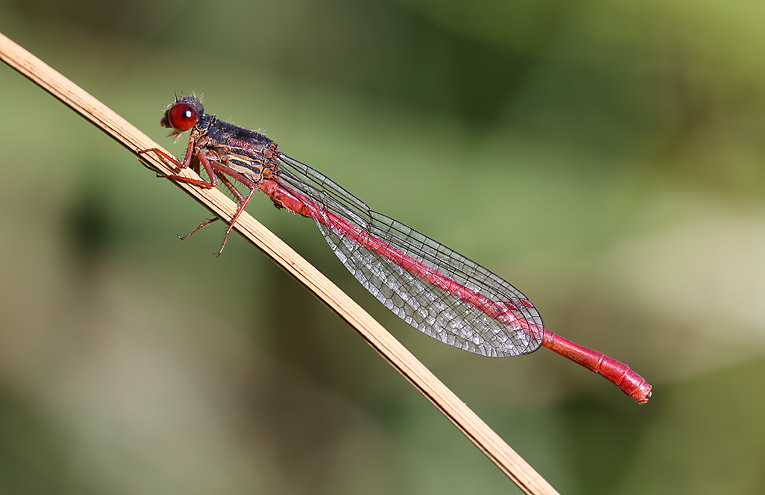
(181, 116)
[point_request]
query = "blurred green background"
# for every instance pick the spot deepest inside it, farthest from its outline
(606, 157)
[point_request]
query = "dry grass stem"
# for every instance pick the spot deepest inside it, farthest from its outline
(397, 355)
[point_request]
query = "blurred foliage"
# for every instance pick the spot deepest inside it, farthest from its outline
(604, 156)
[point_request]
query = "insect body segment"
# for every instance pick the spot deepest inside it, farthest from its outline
(225, 152)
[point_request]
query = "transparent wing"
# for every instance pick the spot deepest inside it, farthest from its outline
(434, 309)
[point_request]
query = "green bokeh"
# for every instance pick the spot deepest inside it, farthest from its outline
(604, 157)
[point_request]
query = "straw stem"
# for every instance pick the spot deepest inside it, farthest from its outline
(383, 342)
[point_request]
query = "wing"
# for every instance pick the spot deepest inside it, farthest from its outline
(428, 285)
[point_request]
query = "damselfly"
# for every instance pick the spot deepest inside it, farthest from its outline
(433, 288)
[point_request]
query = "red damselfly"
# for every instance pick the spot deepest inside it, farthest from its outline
(433, 288)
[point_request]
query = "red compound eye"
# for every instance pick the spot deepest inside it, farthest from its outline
(181, 117)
